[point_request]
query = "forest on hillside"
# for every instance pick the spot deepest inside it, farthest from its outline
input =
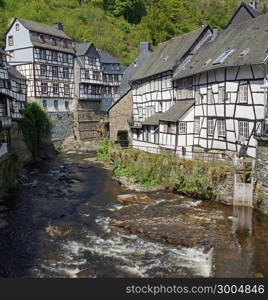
(118, 26)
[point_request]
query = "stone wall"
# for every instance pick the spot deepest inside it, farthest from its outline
(63, 122)
(119, 115)
(17, 143)
(261, 194)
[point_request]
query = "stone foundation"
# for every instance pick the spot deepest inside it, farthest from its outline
(261, 194)
(63, 122)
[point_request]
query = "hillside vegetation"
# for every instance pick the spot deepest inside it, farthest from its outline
(118, 26)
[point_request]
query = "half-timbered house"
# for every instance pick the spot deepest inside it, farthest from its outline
(13, 97)
(45, 55)
(152, 89)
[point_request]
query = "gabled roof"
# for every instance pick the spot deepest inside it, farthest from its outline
(168, 54)
(106, 58)
(42, 28)
(81, 49)
(140, 60)
(250, 37)
(153, 120)
(177, 111)
(252, 12)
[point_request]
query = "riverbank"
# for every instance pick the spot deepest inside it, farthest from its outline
(146, 172)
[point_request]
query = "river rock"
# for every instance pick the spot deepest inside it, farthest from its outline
(55, 231)
(134, 199)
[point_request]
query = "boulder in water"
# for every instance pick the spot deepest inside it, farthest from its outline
(55, 231)
(134, 199)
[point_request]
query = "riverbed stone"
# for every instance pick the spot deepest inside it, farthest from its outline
(134, 198)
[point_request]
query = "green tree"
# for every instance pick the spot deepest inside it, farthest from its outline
(36, 127)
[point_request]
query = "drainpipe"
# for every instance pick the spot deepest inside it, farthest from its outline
(176, 138)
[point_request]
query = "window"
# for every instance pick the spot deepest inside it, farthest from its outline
(44, 88)
(45, 104)
(64, 43)
(41, 38)
(116, 78)
(189, 87)
(196, 125)
(53, 41)
(223, 57)
(110, 78)
(243, 93)
(160, 106)
(66, 73)
(66, 89)
(105, 78)
(171, 128)
(10, 40)
(210, 127)
(42, 54)
(116, 90)
(17, 27)
(55, 88)
(65, 57)
(43, 70)
(96, 75)
(55, 71)
(221, 95)
(87, 74)
(56, 105)
(67, 106)
(221, 127)
(54, 56)
(210, 97)
(243, 129)
(182, 128)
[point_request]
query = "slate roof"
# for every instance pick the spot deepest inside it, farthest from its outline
(251, 34)
(167, 54)
(14, 73)
(253, 12)
(153, 120)
(47, 45)
(81, 49)
(132, 69)
(42, 28)
(106, 58)
(177, 111)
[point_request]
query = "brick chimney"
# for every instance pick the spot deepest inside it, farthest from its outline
(58, 26)
(145, 46)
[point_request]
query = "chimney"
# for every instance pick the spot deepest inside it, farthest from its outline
(253, 4)
(145, 46)
(58, 26)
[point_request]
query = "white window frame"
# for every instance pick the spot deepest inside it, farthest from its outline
(210, 96)
(182, 127)
(243, 129)
(10, 40)
(243, 93)
(210, 126)
(221, 126)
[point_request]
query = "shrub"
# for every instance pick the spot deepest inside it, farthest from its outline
(36, 127)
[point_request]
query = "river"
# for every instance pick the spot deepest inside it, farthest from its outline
(63, 220)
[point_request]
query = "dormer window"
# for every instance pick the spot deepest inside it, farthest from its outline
(53, 41)
(223, 57)
(17, 27)
(64, 43)
(41, 38)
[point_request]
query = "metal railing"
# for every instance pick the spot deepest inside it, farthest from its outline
(183, 154)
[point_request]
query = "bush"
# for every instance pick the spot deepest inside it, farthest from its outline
(36, 127)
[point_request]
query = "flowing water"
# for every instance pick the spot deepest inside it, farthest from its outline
(79, 198)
